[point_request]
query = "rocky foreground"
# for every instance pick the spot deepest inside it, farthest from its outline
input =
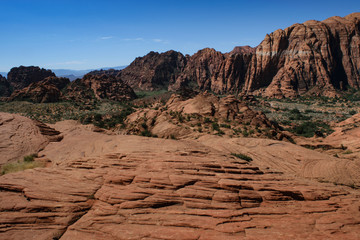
(102, 186)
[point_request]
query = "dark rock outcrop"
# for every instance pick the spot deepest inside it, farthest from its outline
(154, 71)
(5, 89)
(92, 87)
(314, 58)
(47, 90)
(20, 77)
(112, 72)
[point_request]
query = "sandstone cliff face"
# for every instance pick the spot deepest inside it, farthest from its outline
(4, 87)
(153, 71)
(20, 77)
(47, 90)
(211, 70)
(99, 87)
(318, 58)
(313, 57)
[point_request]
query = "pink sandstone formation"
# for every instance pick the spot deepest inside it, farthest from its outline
(129, 187)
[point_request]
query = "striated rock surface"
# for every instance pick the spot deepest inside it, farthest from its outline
(92, 87)
(20, 77)
(5, 88)
(315, 57)
(154, 71)
(44, 91)
(20, 136)
(146, 188)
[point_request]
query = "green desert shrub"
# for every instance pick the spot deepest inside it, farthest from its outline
(30, 158)
(242, 156)
(215, 126)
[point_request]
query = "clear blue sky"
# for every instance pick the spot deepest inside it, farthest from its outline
(77, 34)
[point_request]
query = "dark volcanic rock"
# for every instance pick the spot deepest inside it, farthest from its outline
(5, 89)
(20, 77)
(314, 57)
(154, 71)
(47, 90)
(92, 87)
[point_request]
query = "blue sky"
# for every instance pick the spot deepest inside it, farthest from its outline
(77, 34)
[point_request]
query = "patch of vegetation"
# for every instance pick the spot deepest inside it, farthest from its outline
(295, 114)
(309, 129)
(215, 126)
(352, 112)
(20, 166)
(107, 120)
(245, 133)
(207, 120)
(225, 125)
(242, 156)
(30, 158)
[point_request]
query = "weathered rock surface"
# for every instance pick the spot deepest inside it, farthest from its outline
(314, 57)
(44, 91)
(92, 87)
(154, 71)
(183, 118)
(146, 188)
(344, 144)
(5, 90)
(20, 136)
(20, 77)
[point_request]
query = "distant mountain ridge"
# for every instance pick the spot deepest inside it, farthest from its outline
(73, 74)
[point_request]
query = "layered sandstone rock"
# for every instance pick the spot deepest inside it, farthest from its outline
(130, 187)
(44, 91)
(92, 87)
(314, 57)
(154, 71)
(20, 77)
